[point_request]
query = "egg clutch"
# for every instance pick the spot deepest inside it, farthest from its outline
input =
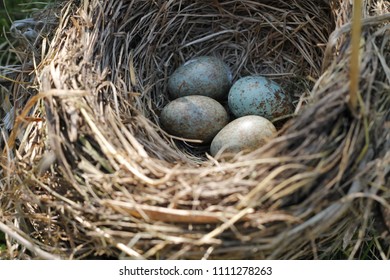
(199, 87)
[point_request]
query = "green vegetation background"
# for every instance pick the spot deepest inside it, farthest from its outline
(11, 10)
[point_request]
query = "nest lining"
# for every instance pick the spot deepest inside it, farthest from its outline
(247, 37)
(107, 180)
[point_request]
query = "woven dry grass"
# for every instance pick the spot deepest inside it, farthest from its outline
(87, 171)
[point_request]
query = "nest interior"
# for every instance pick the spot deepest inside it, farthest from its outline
(89, 172)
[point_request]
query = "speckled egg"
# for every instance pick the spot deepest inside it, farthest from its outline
(194, 117)
(204, 75)
(257, 95)
(243, 134)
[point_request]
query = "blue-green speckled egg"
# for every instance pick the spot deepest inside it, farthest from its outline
(257, 95)
(194, 117)
(204, 75)
(244, 134)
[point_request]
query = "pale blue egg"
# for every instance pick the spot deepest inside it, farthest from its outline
(204, 75)
(257, 95)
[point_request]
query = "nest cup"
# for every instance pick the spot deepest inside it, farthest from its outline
(90, 173)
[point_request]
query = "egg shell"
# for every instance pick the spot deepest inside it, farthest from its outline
(194, 117)
(204, 75)
(257, 95)
(246, 134)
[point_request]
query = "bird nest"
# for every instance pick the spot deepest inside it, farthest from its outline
(87, 171)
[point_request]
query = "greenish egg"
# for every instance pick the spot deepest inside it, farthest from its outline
(245, 134)
(194, 117)
(257, 95)
(204, 75)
